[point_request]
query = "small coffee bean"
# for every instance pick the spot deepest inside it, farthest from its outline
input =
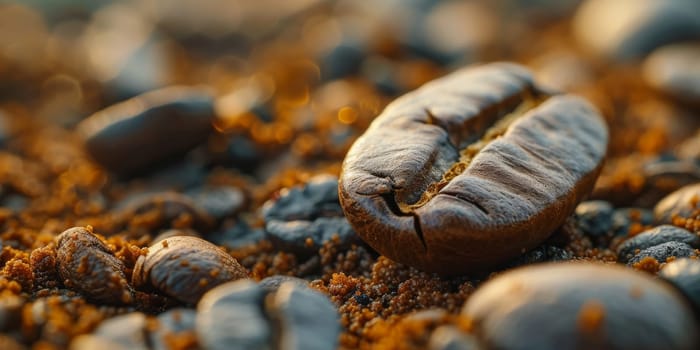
(639, 27)
(307, 319)
(658, 235)
(595, 218)
(231, 317)
(307, 212)
(471, 170)
(675, 70)
(167, 208)
(684, 274)
(87, 265)
(662, 252)
(683, 203)
(185, 268)
(218, 202)
(584, 306)
(132, 136)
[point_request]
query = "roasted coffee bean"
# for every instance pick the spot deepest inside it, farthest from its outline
(132, 136)
(164, 210)
(242, 315)
(658, 235)
(663, 252)
(471, 170)
(595, 218)
(683, 203)
(218, 202)
(185, 268)
(303, 218)
(584, 306)
(684, 274)
(87, 265)
(231, 317)
(639, 27)
(675, 70)
(175, 232)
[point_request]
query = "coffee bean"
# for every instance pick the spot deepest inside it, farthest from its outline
(683, 203)
(471, 170)
(582, 306)
(87, 265)
(653, 237)
(308, 212)
(185, 268)
(684, 274)
(639, 27)
(663, 252)
(595, 218)
(133, 136)
(129, 330)
(218, 202)
(675, 70)
(231, 317)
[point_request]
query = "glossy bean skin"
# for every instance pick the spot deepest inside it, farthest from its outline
(409, 193)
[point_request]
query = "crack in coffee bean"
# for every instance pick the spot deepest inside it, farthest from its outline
(471, 170)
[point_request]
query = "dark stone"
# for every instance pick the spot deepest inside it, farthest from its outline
(684, 274)
(134, 136)
(307, 212)
(584, 306)
(595, 218)
(663, 251)
(658, 235)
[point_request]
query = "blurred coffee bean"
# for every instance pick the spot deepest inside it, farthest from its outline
(630, 29)
(663, 252)
(179, 176)
(342, 60)
(243, 315)
(482, 156)
(585, 306)
(134, 136)
(451, 338)
(683, 203)
(185, 268)
(219, 202)
(624, 218)
(88, 266)
(128, 330)
(173, 324)
(231, 317)
(273, 283)
(657, 235)
(164, 210)
(239, 235)
(675, 70)
(684, 274)
(595, 218)
(665, 176)
(303, 218)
